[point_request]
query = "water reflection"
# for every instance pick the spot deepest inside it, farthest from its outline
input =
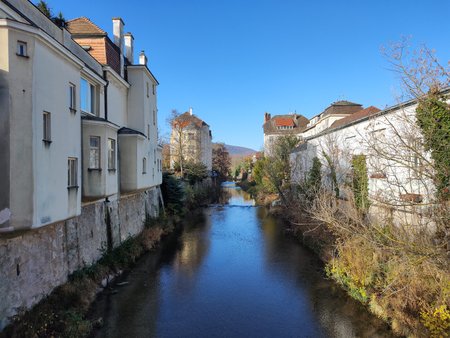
(232, 273)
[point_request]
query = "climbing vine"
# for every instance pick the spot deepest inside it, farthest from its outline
(360, 182)
(433, 117)
(332, 174)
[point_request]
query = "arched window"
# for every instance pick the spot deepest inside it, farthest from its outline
(144, 165)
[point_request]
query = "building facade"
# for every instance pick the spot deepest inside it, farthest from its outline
(79, 118)
(280, 125)
(389, 143)
(191, 140)
(80, 163)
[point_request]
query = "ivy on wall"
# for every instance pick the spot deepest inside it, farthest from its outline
(433, 117)
(360, 182)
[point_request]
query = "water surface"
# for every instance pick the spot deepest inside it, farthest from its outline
(232, 273)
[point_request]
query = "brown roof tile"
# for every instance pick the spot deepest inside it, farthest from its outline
(186, 119)
(298, 122)
(355, 116)
(83, 26)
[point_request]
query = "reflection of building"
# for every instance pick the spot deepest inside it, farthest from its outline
(191, 138)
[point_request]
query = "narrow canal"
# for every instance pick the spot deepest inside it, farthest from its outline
(231, 273)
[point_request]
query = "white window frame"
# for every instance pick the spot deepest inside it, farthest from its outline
(94, 163)
(111, 154)
(46, 127)
(72, 97)
(22, 49)
(90, 106)
(72, 172)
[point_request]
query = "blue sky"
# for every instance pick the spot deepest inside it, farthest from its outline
(233, 60)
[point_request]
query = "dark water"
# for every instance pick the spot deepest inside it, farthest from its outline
(232, 273)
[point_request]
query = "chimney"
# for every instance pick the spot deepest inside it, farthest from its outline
(118, 40)
(118, 32)
(142, 58)
(190, 111)
(129, 46)
(266, 117)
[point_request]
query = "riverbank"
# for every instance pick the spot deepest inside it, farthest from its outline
(63, 312)
(231, 272)
(393, 275)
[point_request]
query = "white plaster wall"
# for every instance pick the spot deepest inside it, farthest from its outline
(368, 137)
(104, 182)
(117, 101)
(136, 104)
(142, 116)
(51, 77)
(128, 162)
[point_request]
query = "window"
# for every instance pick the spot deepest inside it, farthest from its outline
(153, 89)
(154, 117)
(72, 172)
(148, 89)
(22, 48)
(154, 156)
(47, 127)
(87, 96)
(72, 97)
(144, 165)
(148, 131)
(94, 152)
(111, 154)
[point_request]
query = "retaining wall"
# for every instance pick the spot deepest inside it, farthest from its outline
(34, 262)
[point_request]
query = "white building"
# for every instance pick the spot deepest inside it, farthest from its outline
(74, 126)
(281, 125)
(390, 142)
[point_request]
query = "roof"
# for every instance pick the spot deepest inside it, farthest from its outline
(342, 107)
(83, 26)
(186, 119)
(355, 116)
(298, 122)
(129, 131)
(284, 122)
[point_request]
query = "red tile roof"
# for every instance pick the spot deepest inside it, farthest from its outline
(284, 122)
(355, 116)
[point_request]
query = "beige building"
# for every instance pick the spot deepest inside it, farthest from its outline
(191, 139)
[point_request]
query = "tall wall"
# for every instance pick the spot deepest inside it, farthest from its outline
(34, 262)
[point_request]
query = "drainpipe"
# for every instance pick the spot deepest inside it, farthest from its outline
(106, 95)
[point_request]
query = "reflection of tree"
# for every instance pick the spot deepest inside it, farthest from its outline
(239, 197)
(337, 313)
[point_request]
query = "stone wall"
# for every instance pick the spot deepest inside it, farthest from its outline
(34, 262)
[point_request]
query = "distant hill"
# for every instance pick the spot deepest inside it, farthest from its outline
(237, 151)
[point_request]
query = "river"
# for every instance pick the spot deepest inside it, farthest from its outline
(232, 272)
